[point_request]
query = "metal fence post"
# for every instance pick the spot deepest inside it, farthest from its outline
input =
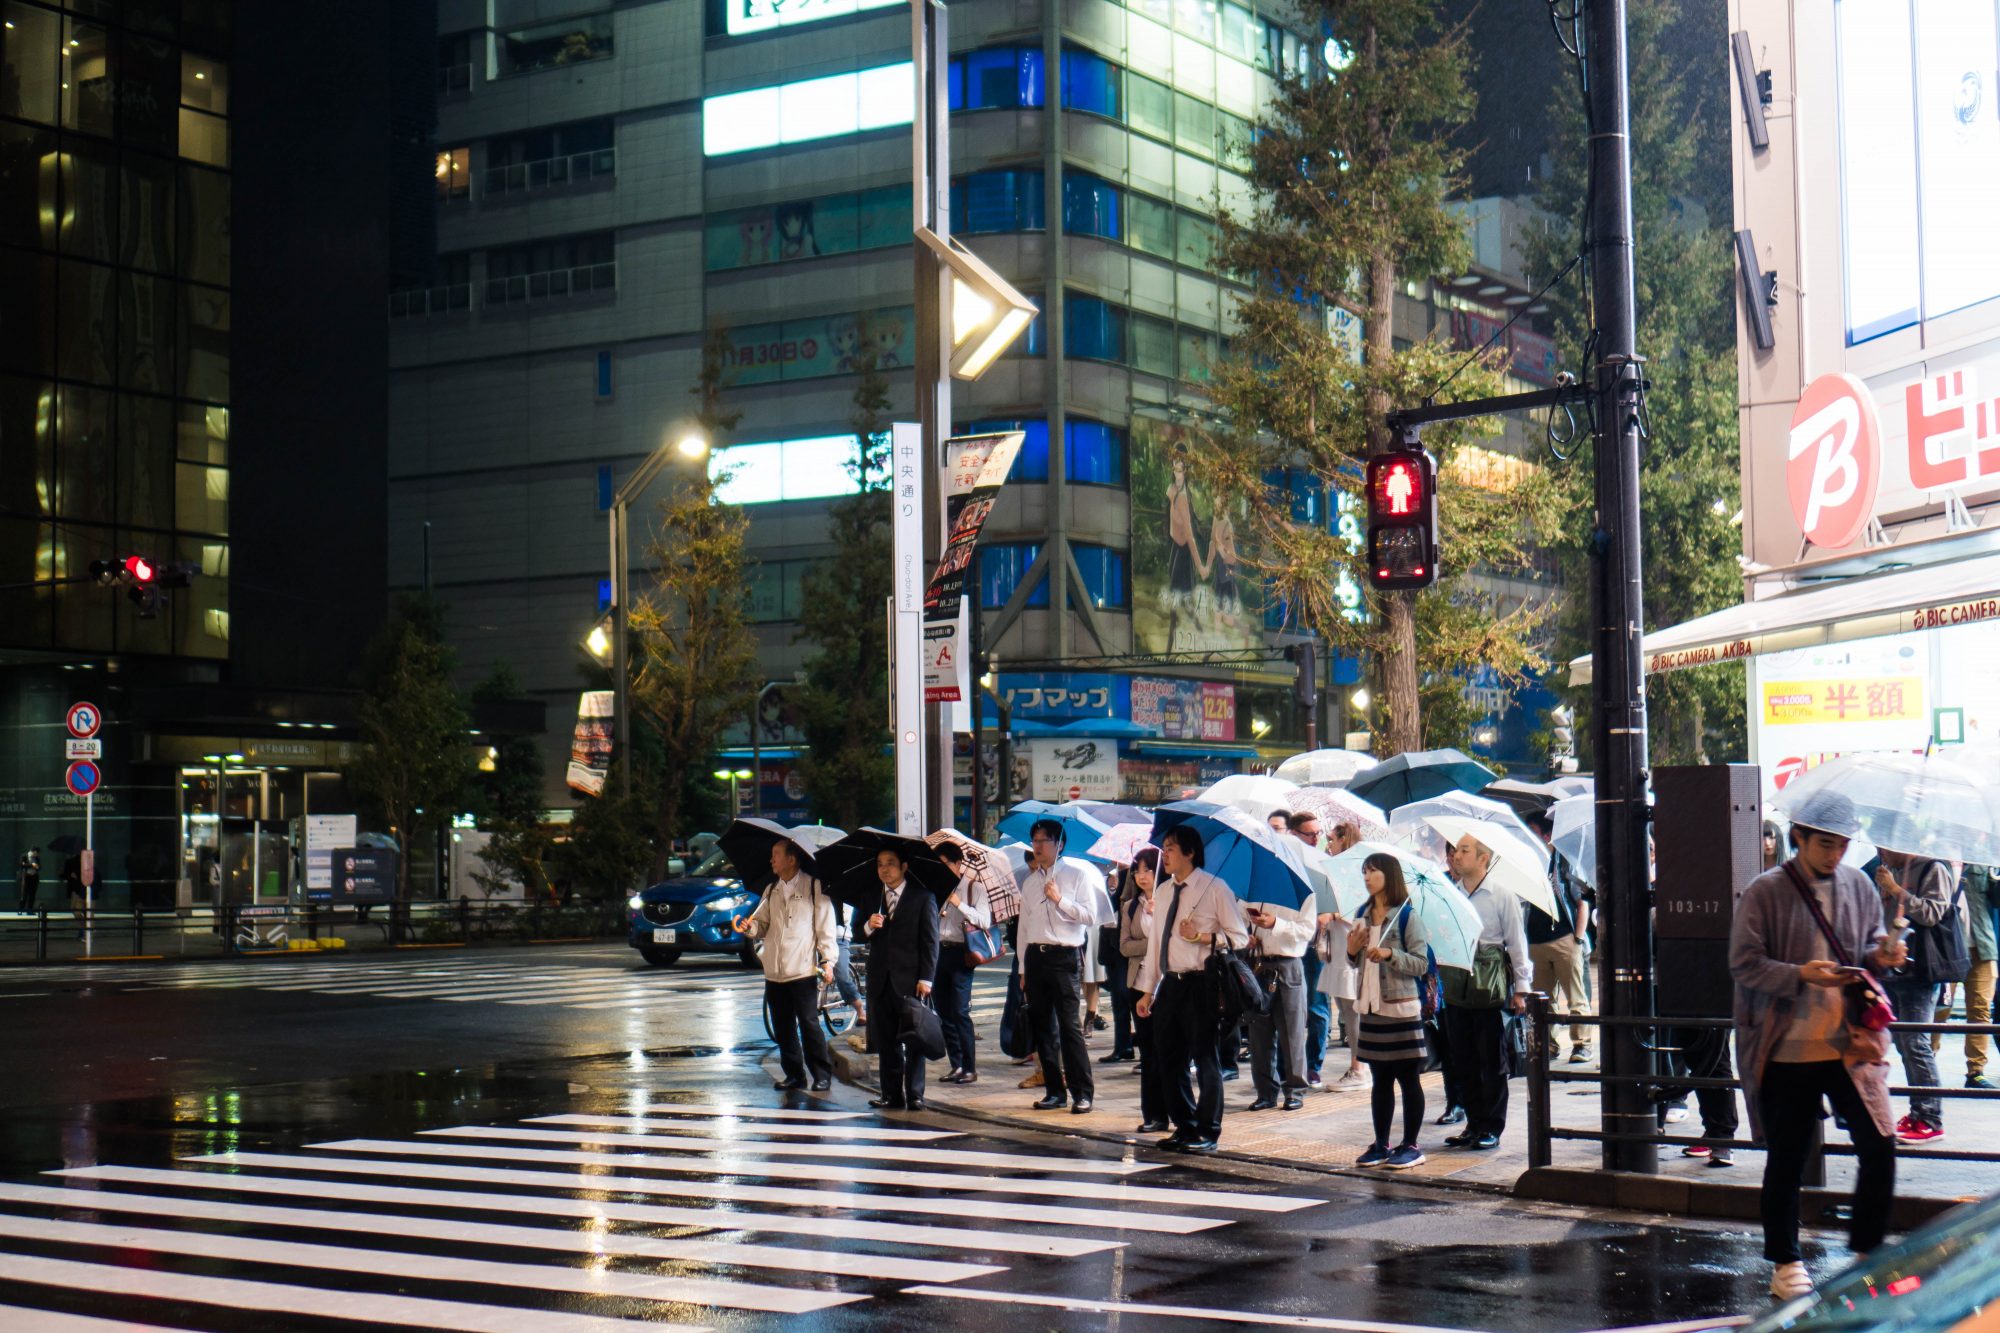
(138, 931)
(1539, 1154)
(42, 935)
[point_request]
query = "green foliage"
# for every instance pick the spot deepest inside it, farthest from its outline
(848, 770)
(608, 846)
(512, 791)
(1690, 460)
(414, 767)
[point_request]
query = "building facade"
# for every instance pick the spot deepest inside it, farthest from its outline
(614, 180)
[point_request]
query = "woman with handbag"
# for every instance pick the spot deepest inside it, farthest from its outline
(1390, 950)
(964, 942)
(1805, 948)
(1135, 927)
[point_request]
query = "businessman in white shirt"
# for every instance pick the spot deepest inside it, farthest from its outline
(1056, 912)
(1195, 911)
(1278, 1035)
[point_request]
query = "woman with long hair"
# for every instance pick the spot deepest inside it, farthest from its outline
(1135, 920)
(1389, 948)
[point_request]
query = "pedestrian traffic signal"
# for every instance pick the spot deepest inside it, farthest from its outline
(1402, 519)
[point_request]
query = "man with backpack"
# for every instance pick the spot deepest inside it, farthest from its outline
(1559, 945)
(1925, 894)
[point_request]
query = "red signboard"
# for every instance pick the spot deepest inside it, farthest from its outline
(1833, 463)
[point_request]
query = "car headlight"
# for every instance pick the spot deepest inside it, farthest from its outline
(730, 904)
(635, 902)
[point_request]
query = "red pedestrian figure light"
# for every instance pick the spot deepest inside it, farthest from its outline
(1398, 488)
(1402, 519)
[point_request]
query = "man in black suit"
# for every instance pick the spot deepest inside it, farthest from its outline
(902, 961)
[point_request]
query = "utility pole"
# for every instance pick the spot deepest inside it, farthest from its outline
(1616, 608)
(930, 135)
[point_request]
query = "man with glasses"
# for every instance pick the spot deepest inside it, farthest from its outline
(1056, 914)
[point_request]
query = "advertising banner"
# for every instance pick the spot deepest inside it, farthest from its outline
(800, 349)
(1184, 710)
(974, 468)
(1056, 697)
(361, 875)
(1064, 769)
(323, 834)
(1813, 704)
(947, 675)
(1192, 588)
(590, 750)
(1153, 781)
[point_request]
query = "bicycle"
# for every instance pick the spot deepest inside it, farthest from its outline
(835, 1013)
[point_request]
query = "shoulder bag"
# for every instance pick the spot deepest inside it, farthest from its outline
(1237, 990)
(1868, 1008)
(1430, 988)
(1938, 955)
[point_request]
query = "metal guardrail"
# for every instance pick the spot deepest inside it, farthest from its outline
(571, 168)
(555, 282)
(238, 929)
(1541, 1076)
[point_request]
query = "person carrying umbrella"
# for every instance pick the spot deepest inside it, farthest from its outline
(1388, 948)
(965, 910)
(795, 921)
(1057, 912)
(1200, 912)
(902, 963)
(1477, 1001)
(1802, 935)
(1278, 1035)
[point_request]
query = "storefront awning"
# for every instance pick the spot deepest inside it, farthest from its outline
(1927, 597)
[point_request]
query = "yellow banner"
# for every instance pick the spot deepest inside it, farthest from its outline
(1862, 699)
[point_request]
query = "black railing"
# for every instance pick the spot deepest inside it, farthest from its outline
(1541, 1076)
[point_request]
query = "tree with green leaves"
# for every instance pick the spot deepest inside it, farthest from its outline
(695, 656)
(1351, 171)
(506, 800)
(415, 765)
(1690, 461)
(848, 770)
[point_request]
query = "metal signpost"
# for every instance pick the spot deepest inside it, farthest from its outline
(83, 778)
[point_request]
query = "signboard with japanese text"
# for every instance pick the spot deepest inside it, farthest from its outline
(1057, 697)
(360, 875)
(1813, 704)
(1059, 763)
(799, 349)
(747, 16)
(324, 833)
(590, 748)
(1184, 709)
(947, 674)
(974, 468)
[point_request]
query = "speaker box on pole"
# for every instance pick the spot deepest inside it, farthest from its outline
(1708, 846)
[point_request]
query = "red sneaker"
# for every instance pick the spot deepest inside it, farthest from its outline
(1920, 1132)
(1905, 1125)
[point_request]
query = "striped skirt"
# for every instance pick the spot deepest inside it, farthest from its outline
(1387, 1040)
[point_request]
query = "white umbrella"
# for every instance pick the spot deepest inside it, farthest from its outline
(1575, 784)
(812, 837)
(1335, 806)
(1121, 845)
(1466, 806)
(1252, 793)
(1918, 804)
(1323, 768)
(1573, 834)
(1522, 868)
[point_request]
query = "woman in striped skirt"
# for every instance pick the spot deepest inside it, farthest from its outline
(1388, 948)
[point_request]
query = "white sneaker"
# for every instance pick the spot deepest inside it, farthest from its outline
(1355, 1077)
(1791, 1281)
(1676, 1114)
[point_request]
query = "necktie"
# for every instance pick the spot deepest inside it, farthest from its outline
(890, 897)
(1167, 926)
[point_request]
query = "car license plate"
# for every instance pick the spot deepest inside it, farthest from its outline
(666, 937)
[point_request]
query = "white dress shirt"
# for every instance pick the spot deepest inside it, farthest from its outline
(1500, 924)
(795, 921)
(1211, 906)
(1066, 921)
(1290, 935)
(970, 912)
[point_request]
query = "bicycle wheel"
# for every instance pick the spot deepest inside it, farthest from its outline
(834, 1011)
(770, 1028)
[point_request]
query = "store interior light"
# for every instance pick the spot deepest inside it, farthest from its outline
(987, 314)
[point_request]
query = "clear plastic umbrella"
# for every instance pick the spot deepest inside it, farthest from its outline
(1465, 806)
(1252, 793)
(1574, 835)
(1448, 915)
(1335, 806)
(1521, 866)
(1323, 768)
(1919, 804)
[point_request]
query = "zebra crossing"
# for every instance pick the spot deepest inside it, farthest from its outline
(686, 1210)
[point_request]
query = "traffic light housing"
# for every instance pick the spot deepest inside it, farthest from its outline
(1402, 519)
(144, 579)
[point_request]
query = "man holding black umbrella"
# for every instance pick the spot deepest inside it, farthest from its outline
(902, 963)
(795, 921)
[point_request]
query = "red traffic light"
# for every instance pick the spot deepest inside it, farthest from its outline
(1402, 519)
(140, 569)
(1397, 486)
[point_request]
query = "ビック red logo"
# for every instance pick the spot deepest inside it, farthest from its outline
(1834, 460)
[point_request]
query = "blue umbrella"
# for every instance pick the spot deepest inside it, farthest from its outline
(1081, 827)
(1258, 865)
(1420, 774)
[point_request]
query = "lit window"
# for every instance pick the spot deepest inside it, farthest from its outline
(809, 469)
(747, 16)
(454, 173)
(839, 104)
(1001, 569)
(1103, 571)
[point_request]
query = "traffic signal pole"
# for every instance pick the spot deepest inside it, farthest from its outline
(1617, 610)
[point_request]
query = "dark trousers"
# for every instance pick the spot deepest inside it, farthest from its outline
(953, 997)
(1152, 1068)
(1702, 1053)
(1319, 1013)
(795, 1015)
(1478, 1040)
(902, 1062)
(1229, 1046)
(1788, 1102)
(1121, 1007)
(1054, 992)
(1184, 1029)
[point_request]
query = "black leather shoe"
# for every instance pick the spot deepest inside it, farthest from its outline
(1116, 1058)
(1153, 1127)
(1174, 1142)
(1055, 1103)
(1081, 1106)
(1262, 1104)
(822, 1084)
(952, 1076)
(886, 1103)
(914, 1104)
(1460, 1140)
(1453, 1115)
(965, 1076)
(1200, 1146)
(1294, 1103)
(789, 1085)
(1484, 1143)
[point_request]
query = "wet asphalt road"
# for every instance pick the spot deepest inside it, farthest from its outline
(269, 1133)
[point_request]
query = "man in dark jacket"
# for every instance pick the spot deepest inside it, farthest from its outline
(902, 962)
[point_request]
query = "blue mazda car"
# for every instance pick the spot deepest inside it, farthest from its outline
(691, 913)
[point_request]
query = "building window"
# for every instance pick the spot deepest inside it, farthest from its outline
(1197, 241)
(807, 228)
(1090, 83)
(1194, 125)
(1152, 345)
(809, 469)
(454, 173)
(787, 113)
(1032, 462)
(455, 62)
(1150, 225)
(31, 63)
(539, 159)
(604, 379)
(1199, 352)
(1094, 330)
(1001, 569)
(1005, 77)
(571, 266)
(606, 488)
(553, 45)
(450, 291)
(1103, 571)
(1093, 453)
(997, 201)
(1091, 207)
(1151, 106)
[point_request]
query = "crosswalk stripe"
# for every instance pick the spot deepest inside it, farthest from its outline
(822, 1131)
(731, 1149)
(646, 1214)
(1135, 1308)
(738, 1111)
(431, 1267)
(782, 1258)
(1008, 1210)
(273, 1298)
(21, 1319)
(853, 1175)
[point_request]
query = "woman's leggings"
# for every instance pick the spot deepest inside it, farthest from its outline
(1388, 1074)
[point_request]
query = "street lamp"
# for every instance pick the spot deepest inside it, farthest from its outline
(734, 776)
(598, 642)
(691, 444)
(987, 314)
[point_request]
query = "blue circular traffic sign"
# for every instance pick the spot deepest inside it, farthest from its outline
(84, 777)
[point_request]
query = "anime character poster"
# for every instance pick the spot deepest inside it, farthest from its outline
(1193, 589)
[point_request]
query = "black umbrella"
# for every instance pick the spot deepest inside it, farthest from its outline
(68, 844)
(748, 843)
(847, 868)
(1419, 775)
(1526, 798)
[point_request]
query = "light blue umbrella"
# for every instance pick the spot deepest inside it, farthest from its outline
(1448, 915)
(1081, 827)
(1258, 865)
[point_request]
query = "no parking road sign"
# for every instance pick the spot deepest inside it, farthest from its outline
(84, 720)
(84, 777)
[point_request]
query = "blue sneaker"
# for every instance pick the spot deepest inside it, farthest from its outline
(1405, 1157)
(1375, 1156)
